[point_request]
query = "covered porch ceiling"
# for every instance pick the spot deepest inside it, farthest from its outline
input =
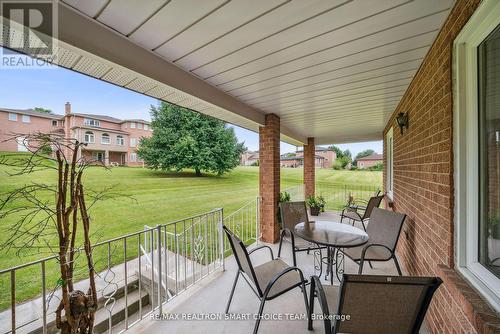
(331, 69)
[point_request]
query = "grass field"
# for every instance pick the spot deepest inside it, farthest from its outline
(158, 197)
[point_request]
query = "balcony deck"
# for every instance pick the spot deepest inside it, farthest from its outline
(210, 296)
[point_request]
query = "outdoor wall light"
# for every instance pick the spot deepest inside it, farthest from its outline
(402, 120)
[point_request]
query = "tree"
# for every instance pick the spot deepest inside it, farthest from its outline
(363, 154)
(40, 222)
(42, 110)
(186, 139)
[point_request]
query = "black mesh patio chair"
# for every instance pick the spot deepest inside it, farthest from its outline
(383, 230)
(362, 216)
(268, 280)
(293, 213)
(359, 204)
(374, 304)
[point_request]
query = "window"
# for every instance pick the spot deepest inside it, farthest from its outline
(98, 156)
(139, 125)
(12, 117)
(26, 118)
(389, 142)
(133, 142)
(92, 122)
(89, 137)
(54, 123)
(146, 127)
(132, 125)
(105, 139)
(477, 150)
(120, 140)
(133, 157)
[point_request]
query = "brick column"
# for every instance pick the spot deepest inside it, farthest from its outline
(269, 178)
(309, 164)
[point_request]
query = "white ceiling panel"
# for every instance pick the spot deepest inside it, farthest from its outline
(172, 19)
(334, 60)
(291, 14)
(228, 18)
(374, 30)
(334, 70)
(88, 7)
(127, 15)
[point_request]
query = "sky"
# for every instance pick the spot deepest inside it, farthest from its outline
(52, 88)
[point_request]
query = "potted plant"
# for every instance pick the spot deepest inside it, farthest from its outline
(284, 197)
(316, 204)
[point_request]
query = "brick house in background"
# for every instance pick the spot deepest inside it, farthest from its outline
(324, 157)
(248, 158)
(298, 161)
(109, 140)
(370, 161)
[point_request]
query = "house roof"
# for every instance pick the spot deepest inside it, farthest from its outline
(100, 129)
(318, 149)
(375, 156)
(32, 112)
(99, 117)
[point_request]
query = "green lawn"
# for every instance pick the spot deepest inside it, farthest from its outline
(158, 198)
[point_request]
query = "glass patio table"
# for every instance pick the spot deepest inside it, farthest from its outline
(334, 236)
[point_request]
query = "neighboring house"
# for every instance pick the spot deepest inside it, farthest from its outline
(327, 154)
(298, 161)
(109, 140)
(249, 158)
(370, 161)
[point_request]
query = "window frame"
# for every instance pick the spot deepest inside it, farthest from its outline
(146, 127)
(90, 133)
(105, 135)
(26, 118)
(465, 145)
(139, 126)
(133, 154)
(54, 121)
(132, 125)
(92, 122)
(120, 140)
(15, 117)
(389, 149)
(133, 140)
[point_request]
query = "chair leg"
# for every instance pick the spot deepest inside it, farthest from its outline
(364, 227)
(311, 306)
(397, 266)
(281, 243)
(259, 315)
(360, 270)
(232, 291)
(304, 293)
(370, 263)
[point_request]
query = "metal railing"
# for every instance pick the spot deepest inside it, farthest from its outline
(244, 222)
(136, 274)
(336, 195)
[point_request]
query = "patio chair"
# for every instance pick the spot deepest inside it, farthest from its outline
(268, 280)
(355, 204)
(384, 229)
(354, 215)
(293, 213)
(374, 303)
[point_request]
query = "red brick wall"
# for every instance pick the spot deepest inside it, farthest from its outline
(309, 165)
(423, 177)
(269, 178)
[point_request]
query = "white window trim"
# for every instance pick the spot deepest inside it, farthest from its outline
(133, 140)
(89, 141)
(14, 119)
(132, 125)
(26, 118)
(390, 163)
(120, 140)
(465, 144)
(102, 139)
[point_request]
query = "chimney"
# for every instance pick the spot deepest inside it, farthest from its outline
(67, 108)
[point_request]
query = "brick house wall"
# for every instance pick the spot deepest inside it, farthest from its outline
(423, 185)
(362, 164)
(40, 123)
(135, 133)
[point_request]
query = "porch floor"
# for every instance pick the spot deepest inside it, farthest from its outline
(210, 296)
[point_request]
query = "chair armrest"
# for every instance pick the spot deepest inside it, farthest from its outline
(281, 274)
(262, 247)
(370, 245)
